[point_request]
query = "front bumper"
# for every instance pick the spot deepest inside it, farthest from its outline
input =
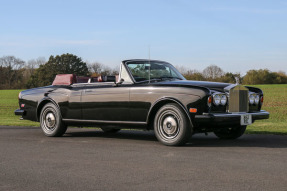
(215, 119)
(19, 112)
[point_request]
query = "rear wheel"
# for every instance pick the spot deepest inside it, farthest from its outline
(51, 121)
(230, 133)
(171, 125)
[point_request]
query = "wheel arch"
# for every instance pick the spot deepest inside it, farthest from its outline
(42, 103)
(161, 102)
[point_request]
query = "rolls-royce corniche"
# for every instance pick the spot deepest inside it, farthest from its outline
(147, 94)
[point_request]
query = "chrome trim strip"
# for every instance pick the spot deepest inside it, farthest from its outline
(102, 121)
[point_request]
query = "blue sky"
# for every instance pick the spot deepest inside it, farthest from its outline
(235, 35)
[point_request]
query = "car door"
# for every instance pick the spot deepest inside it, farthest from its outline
(105, 102)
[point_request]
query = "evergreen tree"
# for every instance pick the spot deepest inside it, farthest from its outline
(64, 64)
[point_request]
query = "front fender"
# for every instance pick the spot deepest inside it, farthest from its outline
(162, 101)
(43, 102)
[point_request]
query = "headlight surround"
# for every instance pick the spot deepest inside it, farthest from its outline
(219, 99)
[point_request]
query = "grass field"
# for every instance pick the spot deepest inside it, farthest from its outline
(9, 103)
(275, 102)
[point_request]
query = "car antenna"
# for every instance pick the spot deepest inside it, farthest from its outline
(149, 64)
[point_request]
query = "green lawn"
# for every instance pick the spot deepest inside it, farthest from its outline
(275, 102)
(8, 104)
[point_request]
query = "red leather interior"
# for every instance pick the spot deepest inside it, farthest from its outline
(82, 79)
(94, 79)
(64, 79)
(68, 79)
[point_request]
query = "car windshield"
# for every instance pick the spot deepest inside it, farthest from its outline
(145, 71)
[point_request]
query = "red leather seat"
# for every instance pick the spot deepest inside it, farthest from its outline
(82, 79)
(64, 79)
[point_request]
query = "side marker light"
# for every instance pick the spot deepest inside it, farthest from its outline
(192, 110)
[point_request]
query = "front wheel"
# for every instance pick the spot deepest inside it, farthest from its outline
(51, 121)
(230, 133)
(171, 125)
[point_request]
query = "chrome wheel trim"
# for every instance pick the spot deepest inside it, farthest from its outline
(168, 125)
(49, 121)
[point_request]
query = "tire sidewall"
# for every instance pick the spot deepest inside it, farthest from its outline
(59, 128)
(184, 132)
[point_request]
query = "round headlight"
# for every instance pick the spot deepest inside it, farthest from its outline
(251, 99)
(216, 99)
(223, 99)
(257, 98)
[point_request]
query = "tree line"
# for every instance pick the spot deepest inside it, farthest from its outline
(252, 77)
(18, 74)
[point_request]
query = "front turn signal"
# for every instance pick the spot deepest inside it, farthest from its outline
(192, 110)
(209, 101)
(261, 100)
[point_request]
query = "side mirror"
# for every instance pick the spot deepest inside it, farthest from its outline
(119, 82)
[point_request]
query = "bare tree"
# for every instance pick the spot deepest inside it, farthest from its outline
(10, 71)
(212, 72)
(182, 69)
(96, 69)
(34, 64)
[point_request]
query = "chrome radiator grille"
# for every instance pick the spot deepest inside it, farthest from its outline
(238, 99)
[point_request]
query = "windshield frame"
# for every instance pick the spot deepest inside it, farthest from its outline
(155, 61)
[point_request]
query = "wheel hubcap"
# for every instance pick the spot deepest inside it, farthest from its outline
(169, 125)
(50, 120)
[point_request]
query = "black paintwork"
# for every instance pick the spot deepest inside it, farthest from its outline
(135, 104)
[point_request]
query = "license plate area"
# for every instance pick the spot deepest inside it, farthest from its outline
(246, 119)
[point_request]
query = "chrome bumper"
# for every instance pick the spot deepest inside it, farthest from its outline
(19, 112)
(229, 117)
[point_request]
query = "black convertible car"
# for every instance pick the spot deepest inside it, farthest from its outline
(147, 94)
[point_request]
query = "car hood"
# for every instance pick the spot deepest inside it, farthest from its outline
(217, 86)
